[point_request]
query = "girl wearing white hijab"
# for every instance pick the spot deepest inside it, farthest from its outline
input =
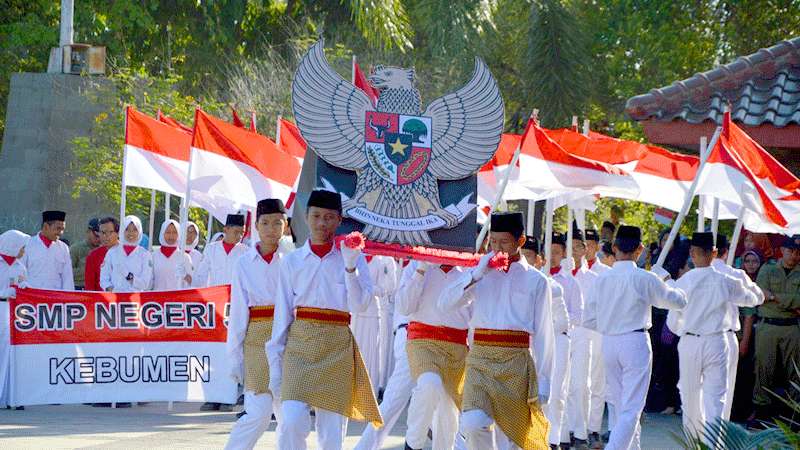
(12, 272)
(171, 268)
(192, 230)
(127, 267)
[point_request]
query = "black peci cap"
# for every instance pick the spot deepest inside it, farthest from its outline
(704, 240)
(49, 216)
(234, 220)
(509, 222)
(325, 199)
(270, 206)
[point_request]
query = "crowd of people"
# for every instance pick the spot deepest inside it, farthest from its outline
(500, 355)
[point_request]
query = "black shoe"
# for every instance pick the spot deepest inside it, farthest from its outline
(101, 405)
(124, 405)
(408, 447)
(225, 407)
(239, 416)
(606, 436)
(554, 447)
(19, 408)
(581, 444)
(595, 441)
(210, 406)
(240, 400)
(565, 446)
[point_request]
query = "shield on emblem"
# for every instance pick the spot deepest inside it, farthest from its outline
(398, 146)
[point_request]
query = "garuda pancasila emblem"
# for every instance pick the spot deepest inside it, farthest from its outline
(397, 150)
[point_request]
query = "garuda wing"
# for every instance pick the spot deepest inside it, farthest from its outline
(329, 111)
(467, 125)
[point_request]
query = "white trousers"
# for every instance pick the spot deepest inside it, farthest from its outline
(481, 433)
(249, 428)
(5, 356)
(580, 367)
(597, 385)
(366, 331)
(628, 360)
(431, 407)
(733, 364)
(703, 362)
(555, 408)
(386, 331)
(395, 397)
(295, 426)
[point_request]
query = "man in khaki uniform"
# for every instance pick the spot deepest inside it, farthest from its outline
(777, 333)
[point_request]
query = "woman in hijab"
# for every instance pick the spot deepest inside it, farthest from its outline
(128, 267)
(171, 268)
(12, 272)
(751, 262)
(192, 239)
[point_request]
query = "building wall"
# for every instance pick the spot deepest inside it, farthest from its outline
(45, 112)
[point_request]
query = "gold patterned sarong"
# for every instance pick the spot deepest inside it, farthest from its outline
(434, 349)
(259, 330)
(501, 381)
(322, 366)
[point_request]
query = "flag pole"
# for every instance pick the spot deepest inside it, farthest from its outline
(123, 193)
(502, 189)
(548, 234)
(152, 217)
(531, 213)
(167, 206)
(701, 200)
(570, 233)
(715, 219)
(209, 227)
(687, 202)
(253, 228)
(735, 238)
(353, 71)
(278, 131)
(184, 219)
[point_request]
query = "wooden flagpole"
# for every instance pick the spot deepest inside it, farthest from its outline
(735, 238)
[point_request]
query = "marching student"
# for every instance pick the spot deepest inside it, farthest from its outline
(217, 268)
(505, 384)
(171, 268)
(12, 272)
(109, 237)
(313, 359)
(606, 256)
(437, 350)
(47, 261)
(220, 256)
(583, 352)
(255, 283)
(399, 385)
(127, 267)
(619, 308)
(703, 325)
(562, 274)
(723, 246)
(366, 325)
(597, 378)
(192, 239)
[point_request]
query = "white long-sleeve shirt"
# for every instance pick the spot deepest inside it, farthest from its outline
(384, 280)
(405, 274)
(216, 268)
(117, 265)
(598, 267)
(573, 297)
(196, 257)
(740, 275)
(255, 283)
(169, 273)
(621, 299)
(418, 298)
(519, 299)
(48, 267)
(560, 314)
(10, 274)
(310, 281)
(710, 294)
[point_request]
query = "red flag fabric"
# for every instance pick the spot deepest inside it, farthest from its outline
(236, 166)
(362, 83)
(293, 144)
(170, 121)
(235, 118)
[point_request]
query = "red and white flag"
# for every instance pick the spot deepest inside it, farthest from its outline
(361, 82)
(663, 177)
(742, 174)
(237, 167)
(156, 154)
(547, 170)
(491, 175)
(292, 143)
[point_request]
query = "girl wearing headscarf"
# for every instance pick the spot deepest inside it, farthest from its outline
(12, 272)
(171, 268)
(128, 267)
(192, 239)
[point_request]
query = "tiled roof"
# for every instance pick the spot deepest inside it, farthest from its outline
(762, 88)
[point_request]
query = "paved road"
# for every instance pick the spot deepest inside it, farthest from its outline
(153, 427)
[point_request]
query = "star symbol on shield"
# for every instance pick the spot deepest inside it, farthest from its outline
(398, 147)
